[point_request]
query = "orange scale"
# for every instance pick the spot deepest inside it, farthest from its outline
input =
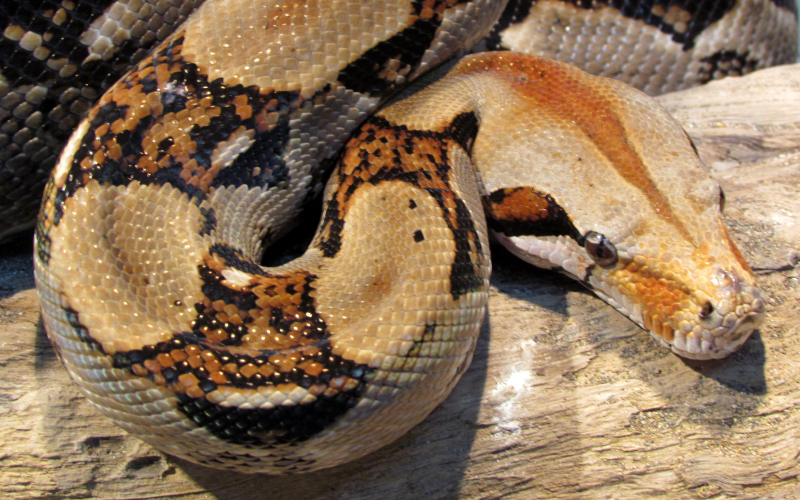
(218, 377)
(152, 365)
(312, 368)
(178, 355)
(195, 361)
(195, 392)
(248, 370)
(165, 360)
(230, 309)
(213, 366)
(193, 350)
(139, 370)
(286, 367)
(188, 379)
(266, 370)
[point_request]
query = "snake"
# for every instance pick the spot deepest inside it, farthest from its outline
(149, 239)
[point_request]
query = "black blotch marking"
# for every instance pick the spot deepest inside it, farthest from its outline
(245, 300)
(164, 145)
(260, 165)
(214, 290)
(235, 259)
(515, 12)
(412, 204)
(409, 46)
(726, 63)
(463, 130)
(557, 223)
(418, 236)
(790, 5)
(43, 243)
(463, 276)
(80, 330)
(281, 424)
(209, 220)
(584, 280)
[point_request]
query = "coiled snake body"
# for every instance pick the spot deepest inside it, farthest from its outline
(150, 235)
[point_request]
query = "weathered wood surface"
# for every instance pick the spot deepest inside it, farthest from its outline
(565, 397)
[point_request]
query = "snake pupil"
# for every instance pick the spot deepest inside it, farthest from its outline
(600, 249)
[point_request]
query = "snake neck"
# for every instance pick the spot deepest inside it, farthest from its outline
(651, 242)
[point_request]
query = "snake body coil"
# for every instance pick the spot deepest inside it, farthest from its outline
(151, 232)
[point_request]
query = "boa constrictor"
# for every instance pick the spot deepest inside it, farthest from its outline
(150, 235)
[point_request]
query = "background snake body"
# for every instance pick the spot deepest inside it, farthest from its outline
(154, 220)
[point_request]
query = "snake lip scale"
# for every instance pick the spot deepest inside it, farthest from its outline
(154, 220)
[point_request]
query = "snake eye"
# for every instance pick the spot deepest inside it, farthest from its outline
(600, 249)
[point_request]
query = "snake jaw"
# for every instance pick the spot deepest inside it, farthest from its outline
(698, 313)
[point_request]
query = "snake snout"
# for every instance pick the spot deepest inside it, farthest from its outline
(726, 318)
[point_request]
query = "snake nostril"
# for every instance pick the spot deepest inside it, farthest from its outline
(706, 311)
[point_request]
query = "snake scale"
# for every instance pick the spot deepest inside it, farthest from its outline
(155, 217)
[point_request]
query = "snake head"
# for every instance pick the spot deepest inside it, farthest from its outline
(597, 181)
(699, 300)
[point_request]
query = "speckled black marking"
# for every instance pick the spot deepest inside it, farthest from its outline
(263, 163)
(281, 424)
(412, 204)
(183, 86)
(409, 46)
(418, 236)
(245, 300)
(557, 223)
(726, 63)
(463, 276)
(214, 290)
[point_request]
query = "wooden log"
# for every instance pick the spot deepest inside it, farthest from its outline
(565, 397)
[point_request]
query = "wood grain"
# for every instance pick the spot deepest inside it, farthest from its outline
(565, 399)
